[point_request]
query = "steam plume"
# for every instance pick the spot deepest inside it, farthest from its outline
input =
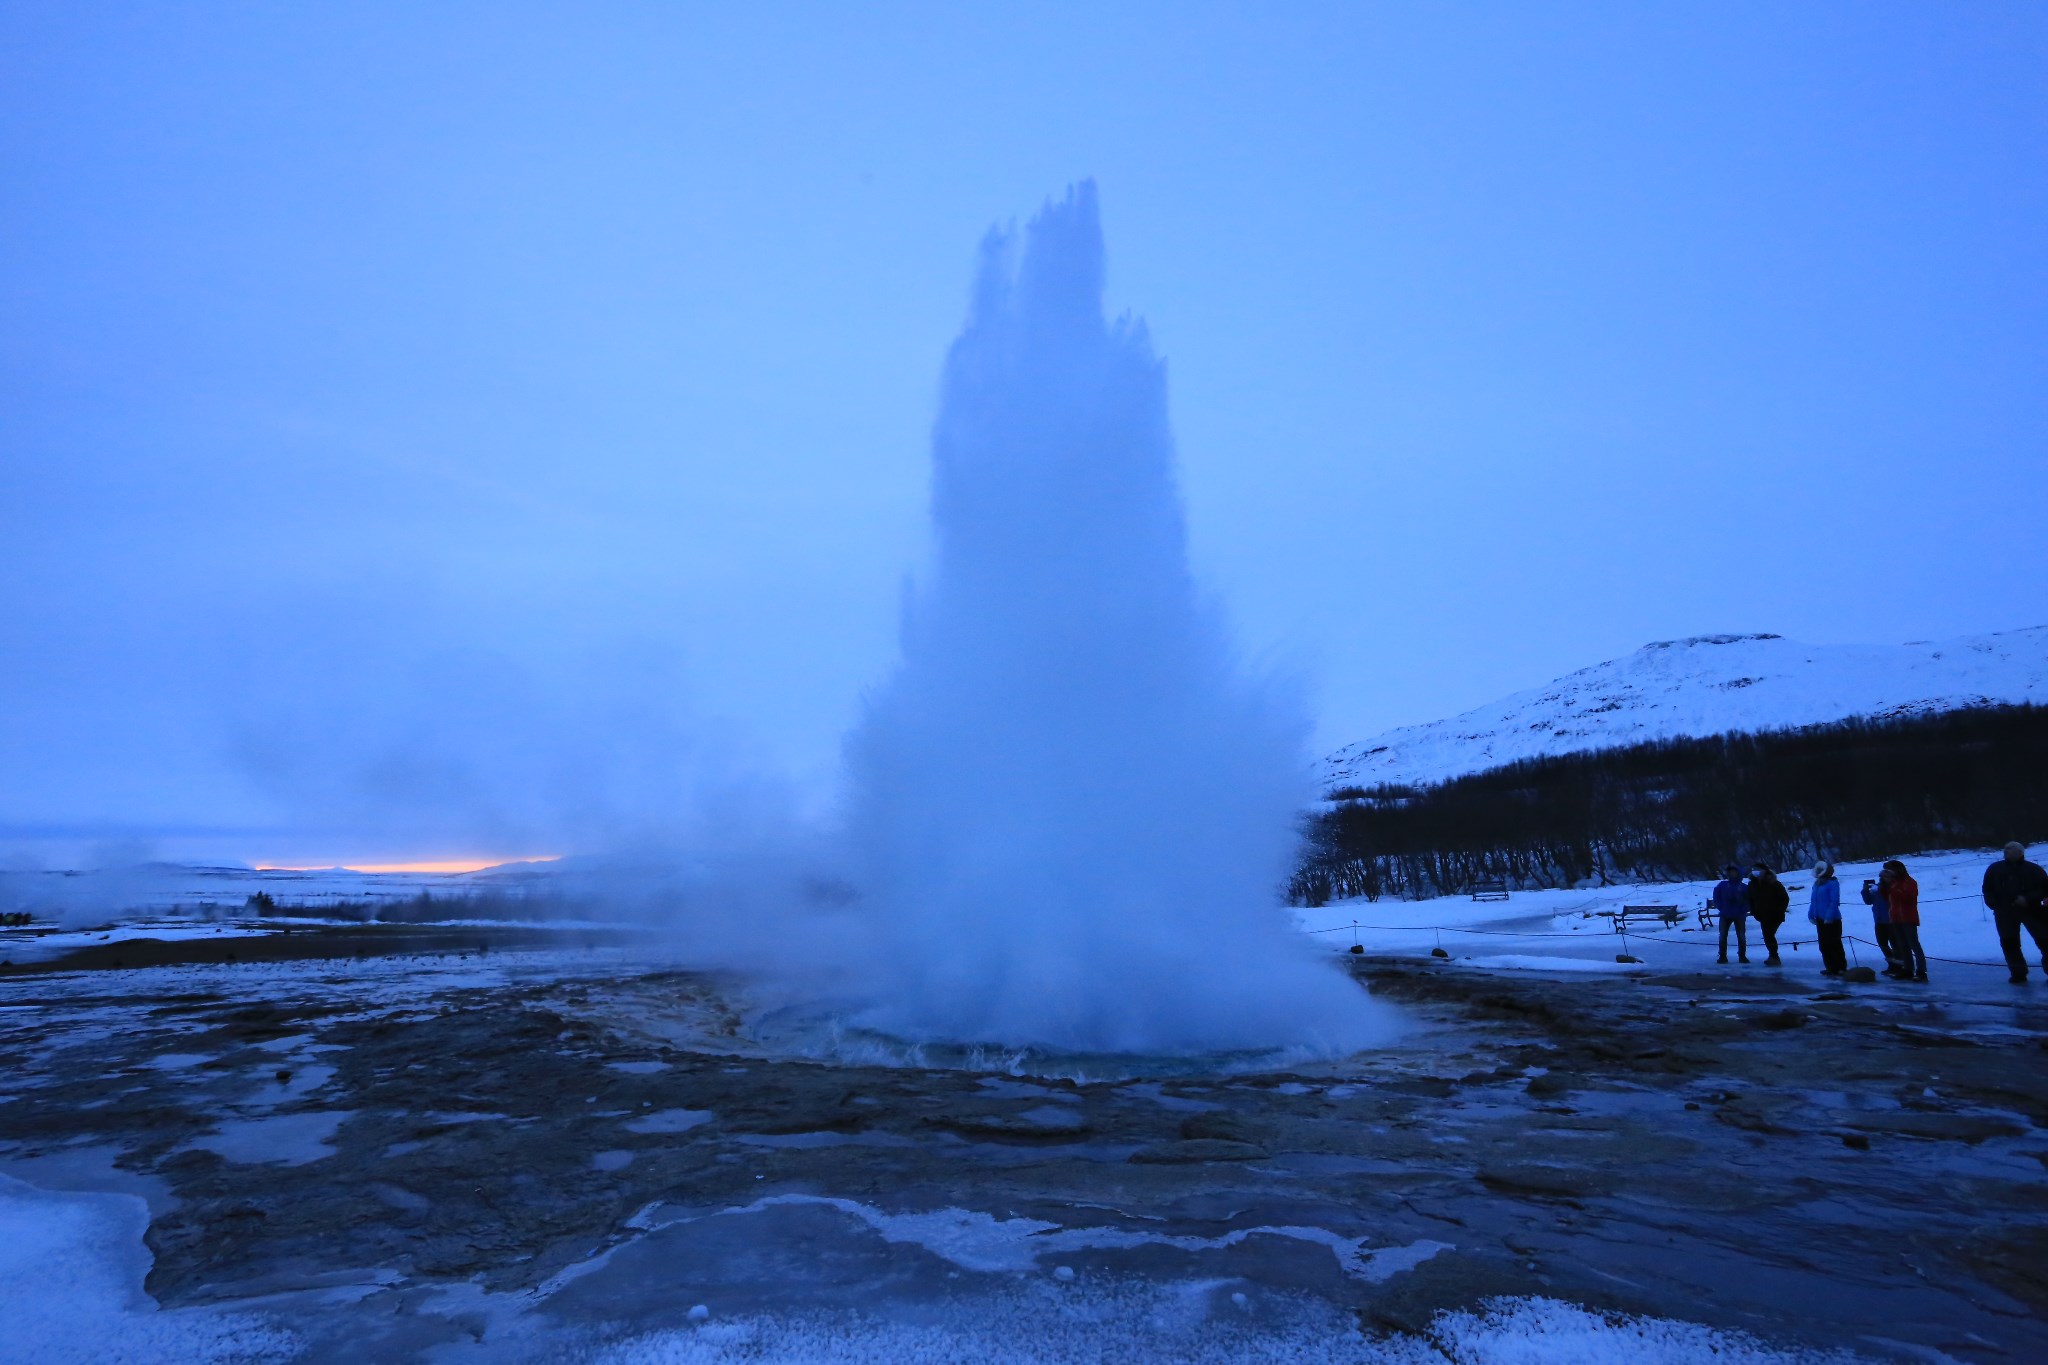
(1071, 810)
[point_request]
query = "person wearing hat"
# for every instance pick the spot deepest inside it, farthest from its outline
(1904, 900)
(1824, 912)
(1769, 902)
(1731, 904)
(2016, 891)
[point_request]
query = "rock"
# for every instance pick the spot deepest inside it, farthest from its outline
(1971, 1128)
(2012, 1259)
(1190, 1150)
(1438, 952)
(1223, 1127)
(1626, 957)
(1040, 1124)
(1552, 1084)
(1759, 1114)
(1558, 1182)
(1857, 1141)
(1865, 975)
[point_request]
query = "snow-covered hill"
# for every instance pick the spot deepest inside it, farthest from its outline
(1708, 685)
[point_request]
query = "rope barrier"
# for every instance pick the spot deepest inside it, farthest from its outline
(1441, 929)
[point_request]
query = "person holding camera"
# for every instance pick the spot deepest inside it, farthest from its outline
(1904, 903)
(1877, 895)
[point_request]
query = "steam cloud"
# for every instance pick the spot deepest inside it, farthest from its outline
(1070, 811)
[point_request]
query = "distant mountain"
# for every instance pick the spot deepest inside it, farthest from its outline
(1707, 685)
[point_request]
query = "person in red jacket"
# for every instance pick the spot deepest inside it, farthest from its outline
(1905, 907)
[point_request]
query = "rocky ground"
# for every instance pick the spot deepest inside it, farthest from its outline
(419, 1147)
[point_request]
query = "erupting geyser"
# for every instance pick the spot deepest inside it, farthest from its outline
(1072, 812)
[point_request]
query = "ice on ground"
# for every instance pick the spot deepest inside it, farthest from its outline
(294, 1139)
(985, 1243)
(1200, 1323)
(71, 1272)
(1537, 962)
(670, 1121)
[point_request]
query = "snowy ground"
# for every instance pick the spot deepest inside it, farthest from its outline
(583, 1153)
(1708, 685)
(1573, 930)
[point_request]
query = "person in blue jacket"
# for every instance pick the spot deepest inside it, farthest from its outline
(1878, 896)
(1731, 903)
(1824, 911)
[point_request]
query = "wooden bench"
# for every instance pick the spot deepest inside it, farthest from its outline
(1489, 891)
(1666, 915)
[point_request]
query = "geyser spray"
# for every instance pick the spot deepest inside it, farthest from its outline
(1071, 811)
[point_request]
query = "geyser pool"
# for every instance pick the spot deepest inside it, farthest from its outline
(1070, 809)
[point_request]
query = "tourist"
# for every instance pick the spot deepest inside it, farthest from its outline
(1824, 912)
(1769, 902)
(1904, 902)
(2017, 893)
(1877, 895)
(1731, 903)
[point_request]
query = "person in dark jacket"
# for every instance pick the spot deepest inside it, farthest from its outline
(1904, 899)
(1824, 912)
(1768, 902)
(1878, 896)
(2017, 893)
(1731, 905)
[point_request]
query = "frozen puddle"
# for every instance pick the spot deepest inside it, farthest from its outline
(670, 1121)
(1532, 962)
(982, 1242)
(73, 1267)
(71, 1271)
(293, 1139)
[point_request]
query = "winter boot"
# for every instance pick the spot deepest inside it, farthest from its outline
(1744, 957)
(1773, 961)
(1722, 960)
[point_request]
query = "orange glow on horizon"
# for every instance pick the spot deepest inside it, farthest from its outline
(422, 865)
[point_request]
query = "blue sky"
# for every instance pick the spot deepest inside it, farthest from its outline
(545, 390)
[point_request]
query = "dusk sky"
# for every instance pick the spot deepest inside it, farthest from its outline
(459, 430)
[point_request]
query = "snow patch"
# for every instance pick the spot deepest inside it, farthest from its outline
(294, 1139)
(1707, 685)
(71, 1272)
(1056, 1323)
